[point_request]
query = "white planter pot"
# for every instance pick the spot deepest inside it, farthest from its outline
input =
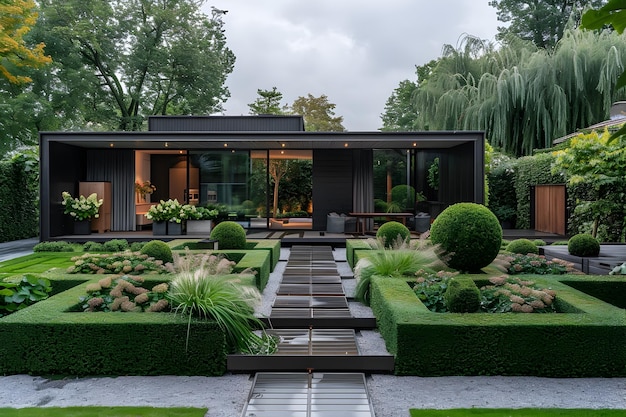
(199, 226)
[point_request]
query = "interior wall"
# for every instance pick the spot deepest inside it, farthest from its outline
(332, 184)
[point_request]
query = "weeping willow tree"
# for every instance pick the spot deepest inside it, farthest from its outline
(522, 96)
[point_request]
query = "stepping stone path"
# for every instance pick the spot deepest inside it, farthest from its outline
(323, 359)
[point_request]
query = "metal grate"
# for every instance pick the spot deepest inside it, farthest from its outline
(316, 342)
(310, 289)
(308, 395)
(306, 301)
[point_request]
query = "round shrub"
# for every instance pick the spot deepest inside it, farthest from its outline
(116, 245)
(469, 235)
(462, 296)
(539, 242)
(522, 246)
(229, 235)
(390, 231)
(583, 245)
(93, 247)
(158, 250)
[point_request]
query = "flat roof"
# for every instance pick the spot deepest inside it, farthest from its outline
(152, 140)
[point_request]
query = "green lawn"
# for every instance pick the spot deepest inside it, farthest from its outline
(103, 412)
(517, 412)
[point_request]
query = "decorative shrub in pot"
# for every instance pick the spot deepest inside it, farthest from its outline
(469, 235)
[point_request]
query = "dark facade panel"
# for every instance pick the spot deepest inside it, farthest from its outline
(332, 184)
(267, 123)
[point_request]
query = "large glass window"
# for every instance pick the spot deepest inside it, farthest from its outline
(394, 190)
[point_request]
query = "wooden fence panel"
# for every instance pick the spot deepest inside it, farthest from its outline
(550, 210)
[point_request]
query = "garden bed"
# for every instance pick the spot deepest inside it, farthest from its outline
(588, 339)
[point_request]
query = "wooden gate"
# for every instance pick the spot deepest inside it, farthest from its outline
(550, 212)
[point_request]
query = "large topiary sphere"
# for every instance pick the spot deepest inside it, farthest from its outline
(583, 245)
(469, 235)
(229, 235)
(390, 231)
(158, 250)
(522, 246)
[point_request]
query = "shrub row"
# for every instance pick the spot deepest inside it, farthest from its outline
(19, 195)
(587, 339)
(47, 338)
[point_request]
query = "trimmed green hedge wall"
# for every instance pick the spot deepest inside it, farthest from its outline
(46, 339)
(19, 196)
(353, 245)
(589, 342)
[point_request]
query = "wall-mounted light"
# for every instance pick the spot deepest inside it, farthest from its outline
(166, 145)
(414, 144)
(282, 152)
(226, 145)
(345, 145)
(111, 145)
(282, 144)
(180, 152)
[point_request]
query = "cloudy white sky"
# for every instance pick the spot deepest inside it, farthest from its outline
(354, 51)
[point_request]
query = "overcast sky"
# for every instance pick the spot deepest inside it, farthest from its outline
(355, 52)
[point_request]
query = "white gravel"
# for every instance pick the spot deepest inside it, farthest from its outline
(392, 396)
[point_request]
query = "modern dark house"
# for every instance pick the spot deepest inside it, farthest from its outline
(225, 160)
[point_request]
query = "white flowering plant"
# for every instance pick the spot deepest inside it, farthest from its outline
(81, 208)
(171, 211)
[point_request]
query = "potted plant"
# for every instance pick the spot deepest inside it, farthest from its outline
(143, 189)
(201, 220)
(82, 209)
(162, 214)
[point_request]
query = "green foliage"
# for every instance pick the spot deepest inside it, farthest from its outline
(119, 63)
(318, 114)
(91, 411)
(502, 201)
(53, 246)
(592, 160)
(433, 174)
(397, 260)
(469, 235)
(536, 265)
(137, 246)
(93, 246)
(403, 195)
(207, 293)
(158, 250)
(539, 242)
(541, 22)
(229, 235)
(430, 289)
(268, 102)
(522, 96)
(522, 246)
(123, 294)
(462, 296)
(19, 197)
(583, 245)
(400, 111)
(116, 245)
(28, 290)
(390, 232)
(131, 263)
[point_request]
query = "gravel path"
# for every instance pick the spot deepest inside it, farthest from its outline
(392, 396)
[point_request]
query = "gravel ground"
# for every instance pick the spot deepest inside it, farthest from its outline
(392, 396)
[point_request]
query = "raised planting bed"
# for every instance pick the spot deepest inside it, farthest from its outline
(48, 338)
(610, 289)
(587, 338)
(352, 246)
(270, 245)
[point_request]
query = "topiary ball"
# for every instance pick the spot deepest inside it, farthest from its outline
(522, 246)
(583, 245)
(158, 250)
(469, 235)
(389, 232)
(229, 235)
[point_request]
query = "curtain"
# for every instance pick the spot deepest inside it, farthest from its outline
(116, 166)
(363, 183)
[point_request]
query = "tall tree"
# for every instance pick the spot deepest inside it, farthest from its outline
(268, 102)
(318, 114)
(400, 110)
(127, 59)
(16, 19)
(524, 97)
(541, 21)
